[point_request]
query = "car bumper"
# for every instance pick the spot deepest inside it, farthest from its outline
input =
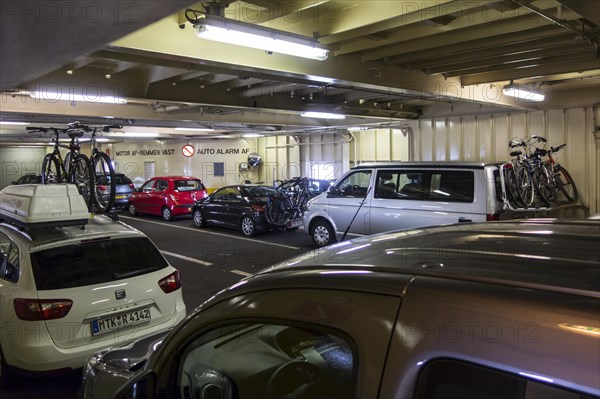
(182, 209)
(32, 349)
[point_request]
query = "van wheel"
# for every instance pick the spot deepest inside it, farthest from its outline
(132, 210)
(322, 233)
(166, 214)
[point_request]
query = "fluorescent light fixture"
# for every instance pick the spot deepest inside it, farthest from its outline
(134, 134)
(195, 129)
(213, 27)
(251, 135)
(14, 123)
(357, 128)
(523, 92)
(322, 115)
(53, 97)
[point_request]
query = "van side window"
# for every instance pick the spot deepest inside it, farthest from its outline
(452, 185)
(9, 260)
(354, 185)
(434, 185)
(449, 379)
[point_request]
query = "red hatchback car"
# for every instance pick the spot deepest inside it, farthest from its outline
(167, 196)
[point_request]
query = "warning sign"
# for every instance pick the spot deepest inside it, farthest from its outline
(188, 150)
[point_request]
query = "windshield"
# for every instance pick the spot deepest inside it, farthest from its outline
(77, 265)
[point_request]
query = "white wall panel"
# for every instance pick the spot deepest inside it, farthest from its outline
(485, 138)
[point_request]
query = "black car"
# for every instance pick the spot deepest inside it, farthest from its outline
(242, 207)
(123, 188)
(29, 178)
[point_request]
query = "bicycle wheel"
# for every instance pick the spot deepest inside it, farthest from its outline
(525, 186)
(511, 187)
(544, 185)
(275, 212)
(51, 169)
(67, 163)
(104, 177)
(81, 176)
(566, 184)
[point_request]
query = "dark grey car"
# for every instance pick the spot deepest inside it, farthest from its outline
(490, 310)
(123, 189)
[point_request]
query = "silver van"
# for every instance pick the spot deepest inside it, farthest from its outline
(377, 197)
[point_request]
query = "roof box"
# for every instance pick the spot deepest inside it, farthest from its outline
(43, 205)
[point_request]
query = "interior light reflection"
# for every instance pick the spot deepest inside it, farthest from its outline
(354, 248)
(346, 272)
(536, 377)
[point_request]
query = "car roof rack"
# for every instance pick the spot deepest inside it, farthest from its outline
(35, 206)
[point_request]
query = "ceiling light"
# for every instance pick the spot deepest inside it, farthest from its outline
(251, 135)
(357, 128)
(213, 27)
(14, 123)
(134, 134)
(523, 92)
(195, 129)
(53, 97)
(322, 115)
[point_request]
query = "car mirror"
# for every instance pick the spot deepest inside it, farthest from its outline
(332, 191)
(142, 385)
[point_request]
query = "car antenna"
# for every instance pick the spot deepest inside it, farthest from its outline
(354, 217)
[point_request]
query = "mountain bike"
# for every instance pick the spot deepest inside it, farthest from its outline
(290, 205)
(551, 178)
(102, 169)
(75, 168)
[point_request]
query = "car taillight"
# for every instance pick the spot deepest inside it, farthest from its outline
(100, 188)
(170, 283)
(490, 217)
(258, 208)
(131, 186)
(44, 309)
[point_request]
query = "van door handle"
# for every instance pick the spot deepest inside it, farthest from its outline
(463, 219)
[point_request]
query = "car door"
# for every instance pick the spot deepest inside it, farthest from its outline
(412, 198)
(142, 197)
(348, 203)
(216, 209)
(156, 197)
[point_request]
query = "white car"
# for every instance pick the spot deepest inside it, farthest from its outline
(75, 285)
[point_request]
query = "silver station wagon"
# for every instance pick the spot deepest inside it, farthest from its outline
(490, 310)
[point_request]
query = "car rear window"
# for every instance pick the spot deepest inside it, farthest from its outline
(95, 262)
(189, 185)
(260, 191)
(119, 179)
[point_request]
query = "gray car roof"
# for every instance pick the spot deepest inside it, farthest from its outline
(540, 254)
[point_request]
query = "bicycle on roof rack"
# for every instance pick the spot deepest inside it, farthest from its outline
(75, 168)
(103, 169)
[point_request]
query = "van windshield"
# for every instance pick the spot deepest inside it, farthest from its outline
(97, 262)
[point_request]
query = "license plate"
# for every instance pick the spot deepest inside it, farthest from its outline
(294, 223)
(119, 196)
(107, 324)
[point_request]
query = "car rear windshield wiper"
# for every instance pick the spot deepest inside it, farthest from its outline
(134, 273)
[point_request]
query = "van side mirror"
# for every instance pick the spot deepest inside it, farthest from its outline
(332, 192)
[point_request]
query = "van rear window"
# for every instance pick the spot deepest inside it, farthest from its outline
(96, 262)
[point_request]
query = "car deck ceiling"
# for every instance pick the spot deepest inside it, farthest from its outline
(389, 62)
